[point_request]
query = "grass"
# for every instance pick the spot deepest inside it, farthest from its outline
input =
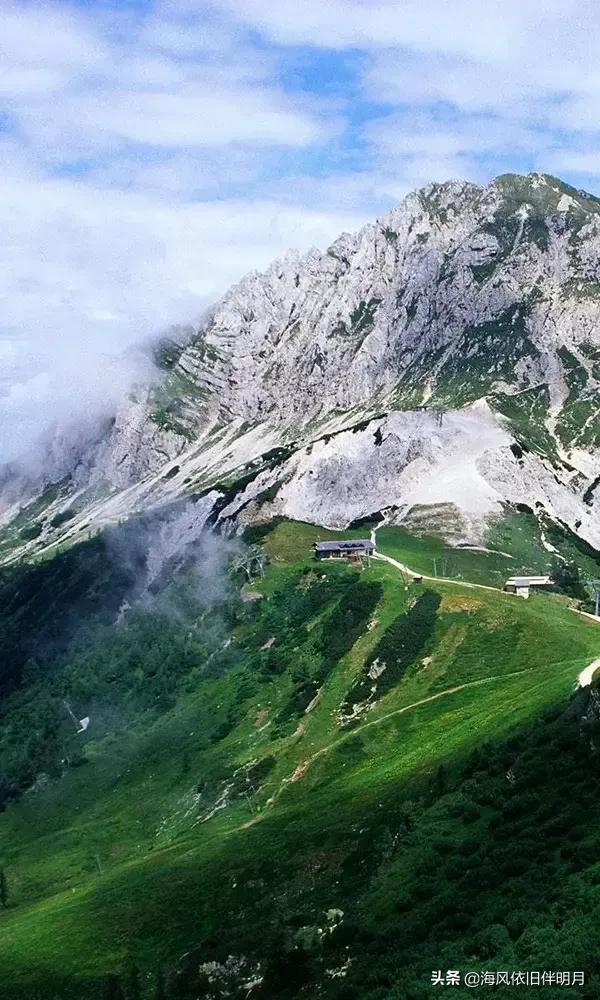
(517, 546)
(292, 541)
(430, 555)
(113, 862)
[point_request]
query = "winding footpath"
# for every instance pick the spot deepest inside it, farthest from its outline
(301, 769)
(439, 579)
(407, 571)
(584, 678)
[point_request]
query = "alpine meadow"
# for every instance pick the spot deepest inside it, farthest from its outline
(299, 500)
(237, 762)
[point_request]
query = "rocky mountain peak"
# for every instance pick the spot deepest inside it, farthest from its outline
(460, 293)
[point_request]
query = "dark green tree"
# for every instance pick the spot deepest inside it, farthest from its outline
(440, 780)
(133, 989)
(567, 578)
(3, 889)
(160, 988)
(112, 988)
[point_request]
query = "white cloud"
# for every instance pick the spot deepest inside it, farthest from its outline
(119, 125)
(462, 27)
(194, 115)
(417, 133)
(136, 89)
(576, 161)
(533, 63)
(497, 32)
(410, 77)
(88, 272)
(50, 36)
(155, 152)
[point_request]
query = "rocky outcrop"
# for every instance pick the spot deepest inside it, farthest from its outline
(448, 353)
(458, 292)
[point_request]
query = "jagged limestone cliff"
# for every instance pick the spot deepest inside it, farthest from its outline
(448, 353)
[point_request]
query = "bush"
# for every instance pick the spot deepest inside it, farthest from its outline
(62, 517)
(398, 648)
(567, 579)
(33, 531)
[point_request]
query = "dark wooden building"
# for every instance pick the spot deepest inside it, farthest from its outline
(345, 548)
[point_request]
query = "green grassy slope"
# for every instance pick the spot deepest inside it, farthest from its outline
(515, 546)
(235, 821)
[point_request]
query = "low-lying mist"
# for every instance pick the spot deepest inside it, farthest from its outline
(109, 632)
(167, 561)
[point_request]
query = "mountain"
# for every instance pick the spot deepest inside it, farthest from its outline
(231, 771)
(447, 354)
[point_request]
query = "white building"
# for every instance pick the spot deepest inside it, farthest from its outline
(520, 584)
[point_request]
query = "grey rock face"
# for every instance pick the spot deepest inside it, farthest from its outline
(457, 292)
(460, 294)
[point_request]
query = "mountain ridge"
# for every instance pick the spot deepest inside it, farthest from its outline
(460, 293)
(227, 768)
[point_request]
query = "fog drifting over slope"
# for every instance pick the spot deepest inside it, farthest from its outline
(91, 277)
(132, 144)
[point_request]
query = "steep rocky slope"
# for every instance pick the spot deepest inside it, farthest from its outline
(448, 353)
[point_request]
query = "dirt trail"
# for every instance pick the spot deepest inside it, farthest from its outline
(412, 572)
(439, 579)
(585, 677)
(415, 704)
(445, 579)
(304, 764)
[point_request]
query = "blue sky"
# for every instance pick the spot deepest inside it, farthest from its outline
(153, 152)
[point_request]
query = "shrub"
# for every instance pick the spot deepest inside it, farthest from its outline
(33, 531)
(398, 647)
(62, 517)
